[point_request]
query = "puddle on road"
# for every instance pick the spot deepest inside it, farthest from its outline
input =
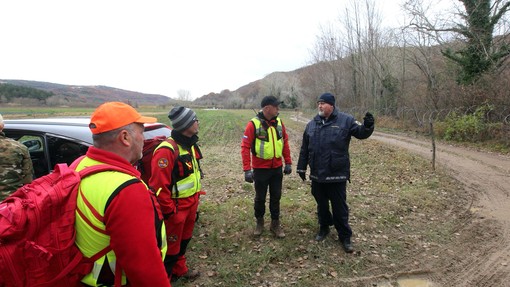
(414, 283)
(408, 282)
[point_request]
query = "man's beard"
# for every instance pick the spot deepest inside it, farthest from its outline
(321, 113)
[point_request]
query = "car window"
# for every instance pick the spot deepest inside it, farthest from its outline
(33, 143)
(36, 148)
(62, 150)
(48, 150)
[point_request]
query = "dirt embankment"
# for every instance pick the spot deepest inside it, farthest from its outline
(483, 258)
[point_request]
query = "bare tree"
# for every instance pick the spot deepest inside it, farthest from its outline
(328, 53)
(353, 58)
(183, 95)
(373, 82)
(418, 49)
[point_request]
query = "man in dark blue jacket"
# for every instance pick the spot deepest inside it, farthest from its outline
(325, 148)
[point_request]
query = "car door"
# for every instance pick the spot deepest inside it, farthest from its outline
(46, 150)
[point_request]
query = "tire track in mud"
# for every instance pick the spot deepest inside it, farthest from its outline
(487, 177)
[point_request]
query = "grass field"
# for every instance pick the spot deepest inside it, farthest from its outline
(398, 213)
(395, 202)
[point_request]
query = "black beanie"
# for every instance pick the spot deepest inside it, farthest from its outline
(182, 118)
(327, 98)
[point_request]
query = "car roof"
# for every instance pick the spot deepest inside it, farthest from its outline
(70, 127)
(76, 128)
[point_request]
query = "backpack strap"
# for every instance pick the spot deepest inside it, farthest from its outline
(175, 173)
(73, 263)
(90, 170)
(79, 256)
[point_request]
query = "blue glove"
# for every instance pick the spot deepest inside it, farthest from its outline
(287, 169)
(248, 176)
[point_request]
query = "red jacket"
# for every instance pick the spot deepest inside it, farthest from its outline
(162, 166)
(130, 223)
(255, 162)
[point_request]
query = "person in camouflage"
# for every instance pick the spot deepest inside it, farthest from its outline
(15, 164)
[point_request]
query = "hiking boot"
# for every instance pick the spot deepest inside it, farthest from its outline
(277, 229)
(323, 232)
(191, 275)
(259, 228)
(347, 245)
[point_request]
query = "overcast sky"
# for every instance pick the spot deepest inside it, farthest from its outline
(161, 46)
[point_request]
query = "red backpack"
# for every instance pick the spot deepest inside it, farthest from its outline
(37, 231)
(149, 145)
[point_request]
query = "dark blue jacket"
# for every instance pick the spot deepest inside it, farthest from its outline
(325, 146)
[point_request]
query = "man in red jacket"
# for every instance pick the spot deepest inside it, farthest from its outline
(265, 138)
(176, 176)
(131, 220)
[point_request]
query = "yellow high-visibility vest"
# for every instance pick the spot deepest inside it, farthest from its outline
(268, 140)
(190, 183)
(90, 240)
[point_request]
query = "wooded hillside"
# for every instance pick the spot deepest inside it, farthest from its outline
(437, 64)
(34, 93)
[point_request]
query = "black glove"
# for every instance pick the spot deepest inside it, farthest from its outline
(368, 120)
(287, 169)
(248, 176)
(302, 175)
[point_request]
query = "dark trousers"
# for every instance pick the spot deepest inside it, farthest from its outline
(334, 193)
(264, 178)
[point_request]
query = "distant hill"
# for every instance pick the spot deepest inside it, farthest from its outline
(290, 87)
(73, 95)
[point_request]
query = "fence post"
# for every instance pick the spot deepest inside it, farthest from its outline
(433, 146)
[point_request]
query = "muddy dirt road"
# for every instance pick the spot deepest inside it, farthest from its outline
(483, 258)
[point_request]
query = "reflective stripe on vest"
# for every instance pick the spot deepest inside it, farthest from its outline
(188, 186)
(98, 189)
(268, 143)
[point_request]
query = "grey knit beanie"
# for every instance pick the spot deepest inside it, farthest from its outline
(182, 118)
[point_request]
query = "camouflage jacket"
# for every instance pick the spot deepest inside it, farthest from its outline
(15, 166)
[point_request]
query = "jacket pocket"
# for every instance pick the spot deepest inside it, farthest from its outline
(338, 162)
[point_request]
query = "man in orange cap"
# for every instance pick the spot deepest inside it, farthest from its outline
(116, 209)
